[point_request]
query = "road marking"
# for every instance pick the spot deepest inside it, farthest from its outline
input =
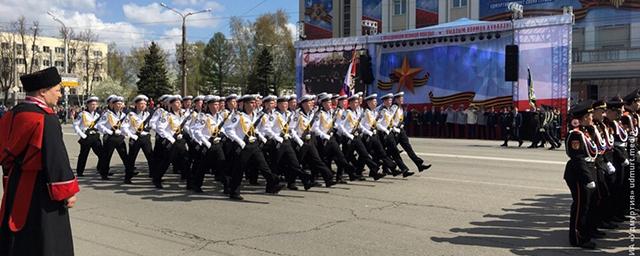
(493, 158)
(495, 184)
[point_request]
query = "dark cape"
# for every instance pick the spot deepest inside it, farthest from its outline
(37, 179)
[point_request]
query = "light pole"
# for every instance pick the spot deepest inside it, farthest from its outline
(183, 61)
(66, 63)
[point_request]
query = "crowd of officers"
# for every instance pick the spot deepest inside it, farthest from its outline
(602, 147)
(283, 138)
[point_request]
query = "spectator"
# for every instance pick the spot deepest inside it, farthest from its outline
(461, 120)
(427, 118)
(472, 121)
(435, 121)
(492, 121)
(2, 109)
(517, 125)
(417, 122)
(450, 121)
(482, 123)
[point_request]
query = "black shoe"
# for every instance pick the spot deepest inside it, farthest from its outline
(608, 225)
(189, 187)
(341, 181)
(198, 190)
(104, 177)
(377, 176)
(80, 174)
(588, 245)
(552, 148)
(127, 181)
(354, 177)
(520, 143)
(504, 145)
(292, 187)
(135, 174)
(424, 167)
(157, 184)
(275, 189)
(315, 184)
(226, 191)
(307, 185)
(329, 184)
(236, 197)
(397, 172)
(407, 174)
(111, 174)
(254, 183)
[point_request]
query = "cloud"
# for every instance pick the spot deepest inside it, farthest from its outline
(169, 40)
(154, 14)
(293, 28)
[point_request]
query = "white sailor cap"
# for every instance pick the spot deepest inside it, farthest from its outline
(293, 97)
(108, 99)
(283, 98)
(269, 98)
(360, 94)
(247, 97)
(211, 99)
(115, 99)
(222, 98)
(354, 97)
(372, 96)
(140, 97)
(342, 97)
(400, 94)
(306, 97)
(257, 96)
(324, 97)
(163, 97)
(232, 96)
(188, 97)
(91, 99)
(387, 96)
(335, 96)
(321, 95)
(173, 98)
(198, 98)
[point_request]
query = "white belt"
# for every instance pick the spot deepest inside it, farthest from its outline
(620, 144)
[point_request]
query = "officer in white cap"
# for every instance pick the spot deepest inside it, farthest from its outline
(136, 127)
(110, 125)
(400, 133)
(171, 137)
(85, 127)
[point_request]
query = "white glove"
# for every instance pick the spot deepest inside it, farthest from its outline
(207, 144)
(172, 140)
(263, 139)
(287, 136)
(117, 132)
(279, 139)
(242, 144)
(591, 185)
(84, 136)
(134, 137)
(610, 168)
(626, 162)
(179, 136)
(216, 140)
(144, 133)
(350, 137)
(300, 143)
(396, 130)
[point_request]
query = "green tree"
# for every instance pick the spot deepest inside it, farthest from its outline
(152, 77)
(261, 79)
(216, 64)
(110, 86)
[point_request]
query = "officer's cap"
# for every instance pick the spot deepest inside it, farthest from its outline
(283, 98)
(371, 97)
(581, 109)
(387, 96)
(269, 98)
(174, 98)
(633, 96)
(324, 97)
(306, 97)
(615, 103)
(601, 104)
(91, 99)
(232, 96)
(400, 94)
(198, 98)
(354, 97)
(140, 97)
(188, 97)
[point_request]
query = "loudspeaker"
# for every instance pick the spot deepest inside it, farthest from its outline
(511, 64)
(592, 92)
(365, 69)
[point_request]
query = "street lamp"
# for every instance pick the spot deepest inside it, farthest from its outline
(65, 31)
(183, 61)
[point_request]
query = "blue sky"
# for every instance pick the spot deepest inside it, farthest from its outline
(136, 23)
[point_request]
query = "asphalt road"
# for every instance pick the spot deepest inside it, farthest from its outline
(477, 199)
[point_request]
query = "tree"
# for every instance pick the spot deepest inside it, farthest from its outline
(109, 86)
(243, 49)
(152, 77)
(260, 81)
(119, 67)
(8, 67)
(90, 65)
(217, 61)
(194, 54)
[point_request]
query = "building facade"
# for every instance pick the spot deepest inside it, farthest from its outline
(606, 33)
(18, 57)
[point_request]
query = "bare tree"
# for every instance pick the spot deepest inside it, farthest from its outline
(8, 63)
(87, 38)
(34, 50)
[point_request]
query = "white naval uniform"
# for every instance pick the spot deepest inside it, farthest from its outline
(134, 125)
(111, 123)
(85, 120)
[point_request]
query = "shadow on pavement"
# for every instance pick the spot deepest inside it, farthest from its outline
(534, 226)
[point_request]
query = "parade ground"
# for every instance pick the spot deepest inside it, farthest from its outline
(477, 199)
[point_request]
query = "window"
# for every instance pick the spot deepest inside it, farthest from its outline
(46, 49)
(59, 64)
(97, 79)
(59, 50)
(346, 16)
(613, 36)
(97, 53)
(5, 45)
(46, 63)
(399, 7)
(20, 61)
(72, 51)
(459, 3)
(35, 62)
(35, 48)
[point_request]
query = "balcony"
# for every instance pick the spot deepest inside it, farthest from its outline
(600, 56)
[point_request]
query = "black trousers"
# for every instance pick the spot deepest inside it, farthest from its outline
(142, 143)
(391, 145)
(212, 158)
(403, 140)
(378, 153)
(250, 158)
(92, 142)
(111, 143)
(174, 154)
(284, 158)
(356, 145)
(309, 156)
(578, 222)
(330, 149)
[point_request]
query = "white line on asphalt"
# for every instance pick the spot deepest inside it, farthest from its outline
(495, 184)
(492, 158)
